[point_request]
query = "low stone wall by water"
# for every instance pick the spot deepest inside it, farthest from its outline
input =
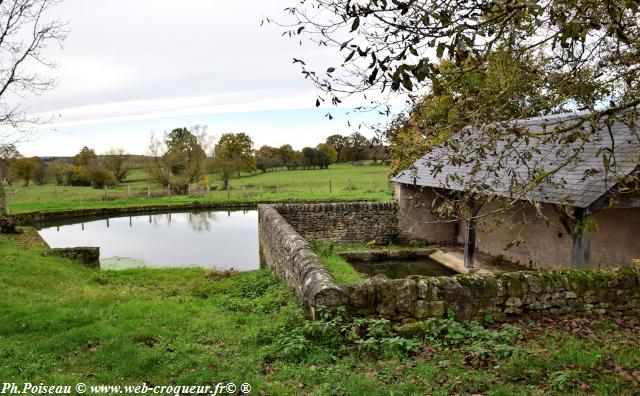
(31, 218)
(345, 222)
(90, 256)
(289, 254)
(285, 249)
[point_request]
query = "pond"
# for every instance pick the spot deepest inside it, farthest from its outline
(398, 268)
(211, 239)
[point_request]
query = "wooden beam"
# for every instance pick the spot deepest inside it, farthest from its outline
(581, 242)
(469, 242)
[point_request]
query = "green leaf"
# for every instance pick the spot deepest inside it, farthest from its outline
(373, 75)
(348, 58)
(406, 82)
(355, 24)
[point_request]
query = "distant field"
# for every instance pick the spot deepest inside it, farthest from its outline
(339, 182)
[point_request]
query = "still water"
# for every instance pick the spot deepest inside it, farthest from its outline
(210, 239)
(401, 268)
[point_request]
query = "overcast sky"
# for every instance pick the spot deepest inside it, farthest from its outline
(132, 68)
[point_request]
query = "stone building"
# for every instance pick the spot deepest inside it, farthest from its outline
(534, 231)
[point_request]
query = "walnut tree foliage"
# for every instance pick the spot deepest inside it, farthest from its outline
(478, 64)
(232, 154)
(179, 157)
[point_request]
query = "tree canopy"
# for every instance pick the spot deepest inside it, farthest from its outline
(233, 154)
(25, 31)
(179, 158)
(478, 65)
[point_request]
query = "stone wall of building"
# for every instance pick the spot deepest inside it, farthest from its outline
(416, 219)
(344, 222)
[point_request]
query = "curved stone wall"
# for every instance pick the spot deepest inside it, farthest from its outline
(289, 254)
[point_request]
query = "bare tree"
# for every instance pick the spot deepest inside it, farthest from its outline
(115, 160)
(24, 34)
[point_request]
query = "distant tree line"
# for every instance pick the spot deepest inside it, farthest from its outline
(337, 148)
(182, 157)
(85, 169)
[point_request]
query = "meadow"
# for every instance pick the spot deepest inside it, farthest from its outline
(63, 323)
(345, 181)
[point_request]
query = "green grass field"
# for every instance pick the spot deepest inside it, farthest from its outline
(63, 323)
(348, 182)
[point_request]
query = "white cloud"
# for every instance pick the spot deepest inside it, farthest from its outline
(130, 64)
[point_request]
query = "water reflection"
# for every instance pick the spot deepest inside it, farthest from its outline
(209, 239)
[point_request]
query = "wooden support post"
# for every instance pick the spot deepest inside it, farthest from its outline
(469, 242)
(128, 190)
(580, 248)
(169, 189)
(148, 191)
(330, 187)
(349, 184)
(228, 191)
(106, 194)
(470, 233)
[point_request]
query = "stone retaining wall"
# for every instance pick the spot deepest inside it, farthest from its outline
(616, 292)
(289, 254)
(345, 222)
(90, 256)
(285, 249)
(31, 218)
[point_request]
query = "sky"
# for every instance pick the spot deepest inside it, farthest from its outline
(130, 69)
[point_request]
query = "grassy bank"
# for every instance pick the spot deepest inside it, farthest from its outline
(63, 323)
(345, 182)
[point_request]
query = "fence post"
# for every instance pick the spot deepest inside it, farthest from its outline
(228, 191)
(330, 187)
(106, 194)
(169, 189)
(349, 184)
(128, 190)
(148, 191)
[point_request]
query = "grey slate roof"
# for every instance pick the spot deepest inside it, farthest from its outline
(511, 161)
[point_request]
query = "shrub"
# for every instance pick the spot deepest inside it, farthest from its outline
(100, 177)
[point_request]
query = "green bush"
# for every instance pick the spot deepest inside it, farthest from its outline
(101, 177)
